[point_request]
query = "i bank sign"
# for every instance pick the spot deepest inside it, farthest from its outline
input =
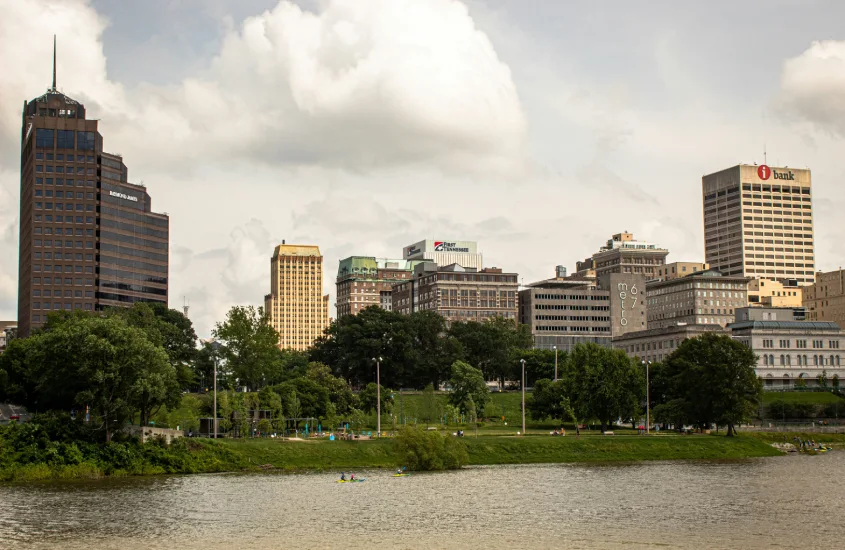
(764, 172)
(440, 246)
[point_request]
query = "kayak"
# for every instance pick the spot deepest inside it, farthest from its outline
(401, 475)
(351, 480)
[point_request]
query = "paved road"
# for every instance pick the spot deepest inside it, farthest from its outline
(7, 411)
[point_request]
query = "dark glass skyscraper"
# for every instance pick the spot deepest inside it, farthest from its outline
(88, 238)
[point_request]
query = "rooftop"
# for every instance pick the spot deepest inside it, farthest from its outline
(789, 325)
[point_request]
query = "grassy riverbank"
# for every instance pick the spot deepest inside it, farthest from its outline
(331, 455)
(202, 456)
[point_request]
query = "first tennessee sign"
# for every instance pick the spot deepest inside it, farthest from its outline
(764, 173)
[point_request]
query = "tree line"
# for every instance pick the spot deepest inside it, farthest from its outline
(707, 380)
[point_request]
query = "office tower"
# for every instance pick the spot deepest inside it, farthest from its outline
(758, 222)
(702, 298)
(443, 253)
(363, 281)
(296, 306)
(623, 254)
(88, 238)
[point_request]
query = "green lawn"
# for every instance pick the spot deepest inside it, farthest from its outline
(338, 455)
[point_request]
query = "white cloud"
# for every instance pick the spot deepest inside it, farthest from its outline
(813, 86)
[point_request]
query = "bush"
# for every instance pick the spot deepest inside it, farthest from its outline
(422, 450)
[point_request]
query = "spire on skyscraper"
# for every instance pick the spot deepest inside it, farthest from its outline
(54, 63)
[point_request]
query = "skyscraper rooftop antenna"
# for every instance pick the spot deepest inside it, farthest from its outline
(764, 155)
(54, 63)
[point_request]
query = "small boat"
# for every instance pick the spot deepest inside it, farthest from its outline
(351, 480)
(401, 475)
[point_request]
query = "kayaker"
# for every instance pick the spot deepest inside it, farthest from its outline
(352, 477)
(342, 476)
(398, 471)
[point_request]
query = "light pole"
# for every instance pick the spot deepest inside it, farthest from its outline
(647, 399)
(215, 395)
(555, 348)
(523, 395)
(378, 395)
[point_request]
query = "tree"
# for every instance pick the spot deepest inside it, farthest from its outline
(169, 329)
(250, 346)
(96, 362)
(368, 398)
(468, 385)
(539, 363)
(711, 378)
(423, 450)
(492, 345)
(548, 400)
(604, 384)
(823, 379)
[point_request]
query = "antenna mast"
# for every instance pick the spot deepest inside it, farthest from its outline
(766, 162)
(185, 306)
(54, 63)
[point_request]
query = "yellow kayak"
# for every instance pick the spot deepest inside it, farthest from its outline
(350, 481)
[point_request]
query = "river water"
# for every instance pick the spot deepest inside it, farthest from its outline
(761, 503)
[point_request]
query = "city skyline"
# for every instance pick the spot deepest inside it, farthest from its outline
(545, 203)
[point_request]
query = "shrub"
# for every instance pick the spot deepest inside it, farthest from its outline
(423, 450)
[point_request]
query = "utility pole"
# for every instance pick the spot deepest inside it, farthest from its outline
(647, 399)
(555, 348)
(523, 395)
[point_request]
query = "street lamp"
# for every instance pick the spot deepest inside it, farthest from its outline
(555, 348)
(378, 395)
(647, 399)
(523, 395)
(215, 395)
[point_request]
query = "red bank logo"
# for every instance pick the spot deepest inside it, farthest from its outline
(764, 172)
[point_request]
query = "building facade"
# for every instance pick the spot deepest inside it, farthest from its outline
(765, 313)
(772, 293)
(791, 350)
(706, 298)
(825, 299)
(655, 344)
(296, 306)
(443, 253)
(758, 222)
(88, 238)
(676, 270)
(364, 281)
(458, 293)
(623, 254)
(562, 313)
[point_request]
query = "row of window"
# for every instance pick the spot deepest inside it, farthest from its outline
(59, 182)
(60, 256)
(68, 231)
(571, 318)
(48, 193)
(67, 158)
(802, 361)
(50, 169)
(786, 344)
(64, 139)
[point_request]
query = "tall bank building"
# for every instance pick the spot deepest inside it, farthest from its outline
(758, 222)
(89, 239)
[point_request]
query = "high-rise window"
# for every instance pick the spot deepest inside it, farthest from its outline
(43, 137)
(64, 139)
(85, 141)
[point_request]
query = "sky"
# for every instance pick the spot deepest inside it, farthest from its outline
(538, 129)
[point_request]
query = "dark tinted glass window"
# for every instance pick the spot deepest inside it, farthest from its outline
(64, 139)
(85, 141)
(43, 137)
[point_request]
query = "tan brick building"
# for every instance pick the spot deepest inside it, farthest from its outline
(458, 293)
(623, 254)
(364, 281)
(825, 299)
(772, 293)
(707, 298)
(676, 270)
(758, 222)
(296, 306)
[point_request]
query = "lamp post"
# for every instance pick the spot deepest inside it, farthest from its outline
(523, 395)
(378, 395)
(215, 395)
(647, 399)
(555, 348)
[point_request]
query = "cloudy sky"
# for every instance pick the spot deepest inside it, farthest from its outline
(536, 128)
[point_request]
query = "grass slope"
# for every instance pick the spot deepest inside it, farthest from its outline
(812, 398)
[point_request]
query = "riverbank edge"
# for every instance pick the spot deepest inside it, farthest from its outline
(255, 455)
